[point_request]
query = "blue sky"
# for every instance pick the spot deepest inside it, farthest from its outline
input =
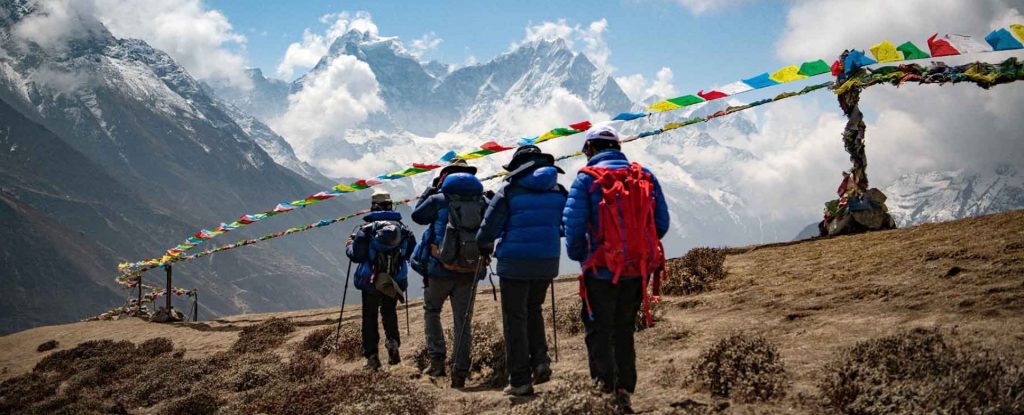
(713, 47)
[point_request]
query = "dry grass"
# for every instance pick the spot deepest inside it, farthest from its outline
(746, 368)
(194, 404)
(263, 336)
(920, 372)
(487, 356)
(575, 396)
(348, 348)
(47, 346)
(567, 318)
(345, 393)
(694, 272)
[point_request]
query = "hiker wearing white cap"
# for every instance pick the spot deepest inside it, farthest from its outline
(614, 219)
(382, 248)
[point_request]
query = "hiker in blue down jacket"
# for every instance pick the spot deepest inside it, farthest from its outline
(609, 328)
(382, 248)
(450, 280)
(525, 216)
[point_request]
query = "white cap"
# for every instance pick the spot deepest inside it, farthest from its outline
(602, 132)
(380, 195)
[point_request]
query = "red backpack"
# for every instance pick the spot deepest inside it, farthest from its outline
(626, 238)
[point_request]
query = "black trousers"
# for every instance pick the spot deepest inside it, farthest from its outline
(372, 302)
(609, 335)
(525, 344)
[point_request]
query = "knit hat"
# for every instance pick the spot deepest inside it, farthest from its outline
(380, 195)
(602, 132)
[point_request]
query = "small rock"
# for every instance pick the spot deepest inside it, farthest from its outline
(47, 346)
(953, 271)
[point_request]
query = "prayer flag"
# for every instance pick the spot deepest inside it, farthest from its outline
(855, 60)
(966, 44)
(886, 52)
(941, 47)
(734, 88)
(711, 95)
(493, 146)
(686, 100)
(787, 74)
(1002, 40)
(627, 116)
(344, 188)
(662, 106)
(1018, 31)
(582, 126)
(911, 51)
(760, 81)
(813, 68)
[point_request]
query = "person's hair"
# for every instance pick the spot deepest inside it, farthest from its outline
(597, 146)
(382, 206)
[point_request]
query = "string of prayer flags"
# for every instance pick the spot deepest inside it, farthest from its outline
(1000, 39)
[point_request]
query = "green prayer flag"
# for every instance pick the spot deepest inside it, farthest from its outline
(561, 132)
(812, 68)
(686, 100)
(911, 51)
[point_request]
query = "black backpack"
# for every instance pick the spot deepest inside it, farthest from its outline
(391, 236)
(458, 251)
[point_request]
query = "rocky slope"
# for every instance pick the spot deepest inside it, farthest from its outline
(111, 146)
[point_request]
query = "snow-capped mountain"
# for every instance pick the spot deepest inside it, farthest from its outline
(112, 151)
(947, 195)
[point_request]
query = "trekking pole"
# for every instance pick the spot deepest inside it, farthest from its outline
(408, 331)
(490, 277)
(465, 319)
(344, 293)
(554, 321)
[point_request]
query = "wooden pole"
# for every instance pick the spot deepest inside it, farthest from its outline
(169, 288)
(138, 301)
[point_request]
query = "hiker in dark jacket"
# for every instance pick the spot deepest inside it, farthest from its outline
(382, 248)
(420, 260)
(454, 279)
(525, 216)
(610, 305)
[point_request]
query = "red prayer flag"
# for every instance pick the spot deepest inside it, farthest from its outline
(837, 68)
(367, 182)
(941, 47)
(582, 126)
(711, 95)
(493, 146)
(425, 166)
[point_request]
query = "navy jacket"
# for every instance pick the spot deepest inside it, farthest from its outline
(433, 211)
(526, 216)
(580, 214)
(364, 249)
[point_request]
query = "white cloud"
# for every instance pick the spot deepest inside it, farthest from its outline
(200, 39)
(591, 37)
(55, 22)
(638, 88)
(331, 101)
(306, 54)
(821, 30)
(423, 44)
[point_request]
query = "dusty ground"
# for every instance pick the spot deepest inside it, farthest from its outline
(811, 299)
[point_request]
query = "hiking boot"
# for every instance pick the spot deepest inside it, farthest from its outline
(435, 369)
(522, 390)
(541, 373)
(393, 357)
(458, 380)
(623, 402)
(372, 363)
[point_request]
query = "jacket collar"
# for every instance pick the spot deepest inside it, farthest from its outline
(607, 155)
(382, 215)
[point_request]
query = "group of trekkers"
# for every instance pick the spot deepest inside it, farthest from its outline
(612, 219)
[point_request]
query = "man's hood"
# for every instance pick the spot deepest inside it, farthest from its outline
(543, 178)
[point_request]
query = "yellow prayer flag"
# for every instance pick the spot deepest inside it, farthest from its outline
(344, 188)
(886, 52)
(662, 106)
(1018, 30)
(545, 137)
(671, 126)
(469, 156)
(788, 74)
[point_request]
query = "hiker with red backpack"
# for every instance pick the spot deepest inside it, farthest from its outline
(525, 218)
(454, 265)
(382, 248)
(614, 220)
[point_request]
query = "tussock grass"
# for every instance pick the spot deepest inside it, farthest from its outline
(742, 367)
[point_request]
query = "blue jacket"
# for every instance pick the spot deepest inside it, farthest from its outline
(433, 211)
(364, 249)
(525, 215)
(580, 214)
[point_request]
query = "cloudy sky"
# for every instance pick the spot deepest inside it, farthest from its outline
(660, 47)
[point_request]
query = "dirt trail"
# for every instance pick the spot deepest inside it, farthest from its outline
(810, 299)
